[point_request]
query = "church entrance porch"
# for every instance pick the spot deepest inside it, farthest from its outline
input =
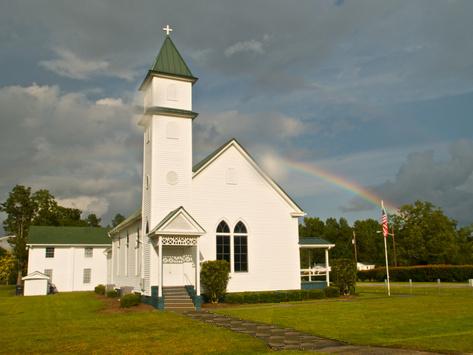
(178, 266)
(176, 240)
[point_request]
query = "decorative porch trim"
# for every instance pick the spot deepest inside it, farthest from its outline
(179, 240)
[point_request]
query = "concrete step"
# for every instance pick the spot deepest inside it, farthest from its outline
(176, 294)
(177, 299)
(168, 301)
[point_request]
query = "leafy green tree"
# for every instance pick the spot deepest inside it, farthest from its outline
(465, 242)
(20, 208)
(117, 219)
(70, 217)
(311, 227)
(93, 220)
(7, 267)
(369, 243)
(340, 234)
(214, 276)
(424, 235)
(46, 213)
(3, 252)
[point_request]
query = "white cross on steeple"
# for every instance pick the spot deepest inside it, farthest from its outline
(167, 29)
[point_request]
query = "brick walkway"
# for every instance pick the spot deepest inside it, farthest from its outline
(279, 338)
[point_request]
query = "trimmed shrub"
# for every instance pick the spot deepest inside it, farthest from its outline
(420, 273)
(234, 298)
(279, 296)
(130, 300)
(214, 277)
(112, 294)
(250, 297)
(315, 294)
(344, 275)
(100, 289)
(331, 292)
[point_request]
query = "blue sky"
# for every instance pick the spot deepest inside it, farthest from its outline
(378, 92)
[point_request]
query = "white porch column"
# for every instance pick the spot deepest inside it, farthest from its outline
(160, 267)
(327, 273)
(197, 269)
(112, 264)
(310, 265)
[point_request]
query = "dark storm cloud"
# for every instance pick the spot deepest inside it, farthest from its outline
(448, 184)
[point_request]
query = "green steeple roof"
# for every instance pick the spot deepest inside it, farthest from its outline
(169, 61)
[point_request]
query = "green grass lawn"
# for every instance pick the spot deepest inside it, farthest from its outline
(427, 318)
(76, 322)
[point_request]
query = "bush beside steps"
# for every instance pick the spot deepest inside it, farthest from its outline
(112, 294)
(100, 289)
(280, 296)
(130, 300)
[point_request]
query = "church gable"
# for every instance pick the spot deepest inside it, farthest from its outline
(231, 174)
(178, 221)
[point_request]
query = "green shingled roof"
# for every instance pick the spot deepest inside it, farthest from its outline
(68, 235)
(313, 241)
(169, 61)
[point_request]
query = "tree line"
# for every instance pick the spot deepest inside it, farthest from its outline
(24, 208)
(423, 235)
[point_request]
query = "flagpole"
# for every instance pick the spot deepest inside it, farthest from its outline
(387, 265)
(386, 254)
(354, 245)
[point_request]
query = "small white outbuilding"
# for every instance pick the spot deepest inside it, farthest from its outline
(36, 284)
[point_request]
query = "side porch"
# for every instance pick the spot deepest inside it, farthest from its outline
(314, 261)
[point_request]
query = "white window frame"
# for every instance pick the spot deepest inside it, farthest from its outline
(87, 276)
(88, 252)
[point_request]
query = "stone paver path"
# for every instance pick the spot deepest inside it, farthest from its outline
(279, 338)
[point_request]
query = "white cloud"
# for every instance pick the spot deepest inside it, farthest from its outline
(85, 152)
(87, 204)
(252, 45)
(109, 101)
(70, 65)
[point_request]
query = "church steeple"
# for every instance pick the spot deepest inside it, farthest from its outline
(167, 122)
(169, 63)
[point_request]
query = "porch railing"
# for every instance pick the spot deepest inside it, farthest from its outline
(314, 272)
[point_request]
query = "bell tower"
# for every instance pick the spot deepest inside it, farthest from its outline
(167, 138)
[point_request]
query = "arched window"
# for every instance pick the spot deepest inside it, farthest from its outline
(240, 245)
(223, 242)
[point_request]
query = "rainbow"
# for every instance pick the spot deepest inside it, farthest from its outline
(363, 192)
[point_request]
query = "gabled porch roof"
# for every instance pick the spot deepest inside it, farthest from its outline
(178, 222)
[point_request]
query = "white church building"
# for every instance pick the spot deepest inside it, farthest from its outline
(225, 207)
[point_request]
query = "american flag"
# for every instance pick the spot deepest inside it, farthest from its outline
(384, 220)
